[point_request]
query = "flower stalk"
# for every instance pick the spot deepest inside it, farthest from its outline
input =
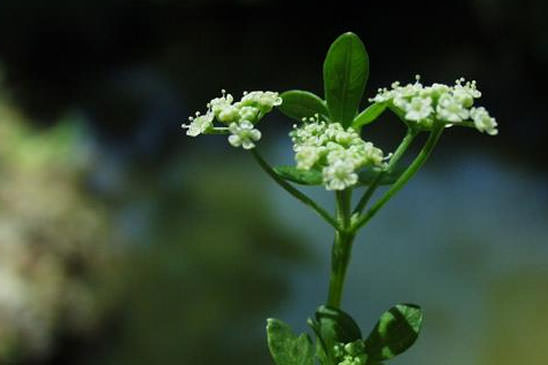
(404, 178)
(303, 198)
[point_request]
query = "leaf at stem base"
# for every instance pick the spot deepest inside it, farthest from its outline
(287, 348)
(396, 331)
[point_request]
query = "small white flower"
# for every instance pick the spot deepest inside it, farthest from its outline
(218, 105)
(435, 90)
(400, 102)
(248, 112)
(345, 138)
(339, 176)
(419, 108)
(198, 124)
(450, 109)
(264, 100)
(243, 134)
(373, 155)
(383, 95)
(466, 93)
(338, 154)
(408, 90)
(307, 156)
(483, 121)
(310, 134)
(463, 97)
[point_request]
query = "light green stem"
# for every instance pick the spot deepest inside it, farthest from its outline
(403, 179)
(341, 251)
(404, 145)
(293, 191)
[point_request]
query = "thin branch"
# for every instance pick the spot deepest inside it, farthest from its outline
(293, 191)
(404, 145)
(403, 179)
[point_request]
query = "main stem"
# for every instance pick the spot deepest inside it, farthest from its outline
(341, 251)
(345, 234)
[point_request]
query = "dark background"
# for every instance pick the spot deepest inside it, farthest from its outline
(210, 249)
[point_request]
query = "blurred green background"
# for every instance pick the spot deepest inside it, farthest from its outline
(122, 241)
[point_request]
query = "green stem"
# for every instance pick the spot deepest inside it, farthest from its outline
(344, 199)
(403, 179)
(404, 145)
(294, 192)
(218, 130)
(340, 257)
(341, 251)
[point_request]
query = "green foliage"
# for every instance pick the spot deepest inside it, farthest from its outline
(368, 176)
(286, 347)
(339, 339)
(396, 330)
(333, 326)
(298, 104)
(345, 73)
(314, 177)
(369, 114)
(299, 176)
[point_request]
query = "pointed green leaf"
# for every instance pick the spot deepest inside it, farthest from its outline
(299, 176)
(287, 348)
(298, 104)
(368, 115)
(367, 176)
(334, 326)
(320, 347)
(396, 330)
(345, 73)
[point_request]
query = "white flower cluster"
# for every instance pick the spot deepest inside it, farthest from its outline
(336, 152)
(240, 117)
(449, 104)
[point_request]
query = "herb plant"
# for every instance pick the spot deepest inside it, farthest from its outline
(330, 151)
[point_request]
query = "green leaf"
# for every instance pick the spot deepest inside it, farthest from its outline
(345, 73)
(299, 176)
(368, 115)
(298, 104)
(287, 348)
(396, 330)
(333, 326)
(367, 176)
(320, 354)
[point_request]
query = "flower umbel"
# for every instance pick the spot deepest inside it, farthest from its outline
(337, 152)
(422, 106)
(238, 118)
